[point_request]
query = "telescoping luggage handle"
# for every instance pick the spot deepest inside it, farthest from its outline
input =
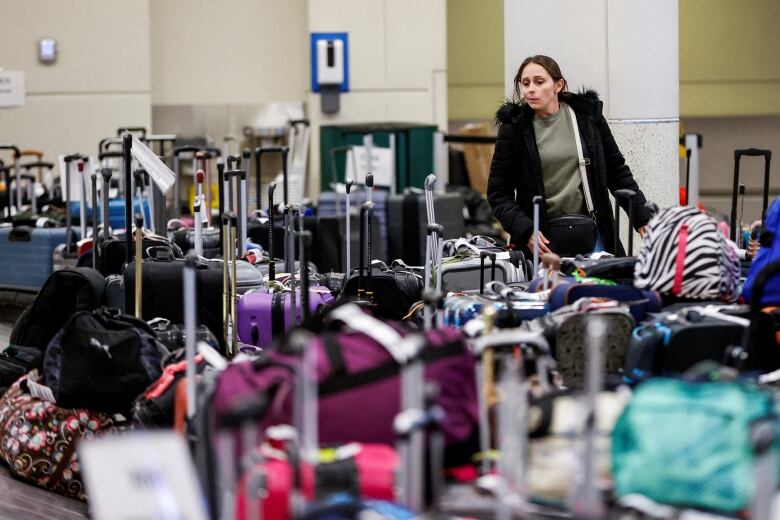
(347, 231)
(105, 173)
(284, 151)
(41, 165)
(80, 158)
(240, 176)
(229, 273)
(271, 251)
(349, 151)
(738, 154)
(537, 207)
(94, 178)
(629, 195)
(16, 156)
(139, 240)
(365, 287)
(177, 173)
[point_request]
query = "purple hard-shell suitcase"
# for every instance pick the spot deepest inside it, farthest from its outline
(264, 315)
(357, 374)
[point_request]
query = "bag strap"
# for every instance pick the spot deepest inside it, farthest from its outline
(582, 161)
(679, 266)
(357, 320)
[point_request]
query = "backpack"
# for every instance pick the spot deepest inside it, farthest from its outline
(102, 360)
(65, 292)
(768, 253)
(686, 255)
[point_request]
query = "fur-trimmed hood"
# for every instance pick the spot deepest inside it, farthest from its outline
(586, 101)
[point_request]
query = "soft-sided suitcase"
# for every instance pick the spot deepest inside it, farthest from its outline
(407, 222)
(162, 291)
(26, 255)
(673, 342)
(640, 303)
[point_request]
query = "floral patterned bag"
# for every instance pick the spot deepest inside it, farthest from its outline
(38, 439)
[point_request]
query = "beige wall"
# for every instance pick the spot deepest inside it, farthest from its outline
(729, 60)
(397, 64)
(100, 81)
(475, 58)
(228, 52)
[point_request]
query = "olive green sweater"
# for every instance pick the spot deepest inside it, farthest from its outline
(560, 169)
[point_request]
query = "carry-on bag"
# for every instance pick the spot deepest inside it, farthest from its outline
(735, 230)
(38, 452)
(161, 274)
(390, 291)
(711, 452)
(102, 360)
(673, 342)
(266, 314)
(356, 367)
(685, 255)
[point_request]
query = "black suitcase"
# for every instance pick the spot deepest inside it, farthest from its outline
(162, 289)
(407, 223)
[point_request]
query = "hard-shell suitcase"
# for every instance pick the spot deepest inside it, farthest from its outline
(26, 255)
(264, 314)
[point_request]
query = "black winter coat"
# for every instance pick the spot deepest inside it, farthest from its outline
(516, 171)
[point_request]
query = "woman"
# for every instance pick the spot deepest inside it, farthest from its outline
(537, 154)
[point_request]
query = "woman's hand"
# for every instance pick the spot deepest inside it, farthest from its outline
(543, 249)
(642, 231)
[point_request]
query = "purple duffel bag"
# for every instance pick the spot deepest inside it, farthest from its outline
(263, 315)
(359, 386)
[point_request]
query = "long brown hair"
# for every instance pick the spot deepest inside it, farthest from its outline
(548, 64)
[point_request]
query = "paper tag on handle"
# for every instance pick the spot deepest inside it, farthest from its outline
(162, 176)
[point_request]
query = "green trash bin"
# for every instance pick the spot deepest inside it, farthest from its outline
(413, 150)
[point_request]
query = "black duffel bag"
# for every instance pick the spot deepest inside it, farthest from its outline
(102, 360)
(391, 291)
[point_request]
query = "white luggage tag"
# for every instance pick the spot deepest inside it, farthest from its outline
(162, 176)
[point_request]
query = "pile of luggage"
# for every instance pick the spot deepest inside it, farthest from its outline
(312, 378)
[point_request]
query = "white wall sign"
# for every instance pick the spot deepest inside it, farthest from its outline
(381, 165)
(12, 89)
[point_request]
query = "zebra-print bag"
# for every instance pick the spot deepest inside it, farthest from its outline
(685, 254)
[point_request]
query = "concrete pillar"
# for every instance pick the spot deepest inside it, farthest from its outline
(628, 52)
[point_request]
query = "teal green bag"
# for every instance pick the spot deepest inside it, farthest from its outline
(693, 444)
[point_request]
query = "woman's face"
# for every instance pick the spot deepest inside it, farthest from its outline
(539, 89)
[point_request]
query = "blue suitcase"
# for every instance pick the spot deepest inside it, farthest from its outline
(26, 255)
(116, 212)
